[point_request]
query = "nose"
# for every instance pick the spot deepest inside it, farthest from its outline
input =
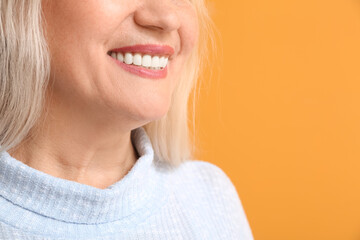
(158, 14)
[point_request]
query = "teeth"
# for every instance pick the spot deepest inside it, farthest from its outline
(161, 61)
(128, 58)
(137, 59)
(119, 57)
(147, 61)
(155, 62)
(165, 62)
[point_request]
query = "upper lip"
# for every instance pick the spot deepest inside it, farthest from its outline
(151, 49)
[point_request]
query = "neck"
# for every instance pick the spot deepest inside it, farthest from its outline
(76, 146)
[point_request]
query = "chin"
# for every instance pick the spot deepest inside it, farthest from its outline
(147, 111)
(155, 112)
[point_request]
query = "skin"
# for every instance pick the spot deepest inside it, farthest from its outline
(93, 104)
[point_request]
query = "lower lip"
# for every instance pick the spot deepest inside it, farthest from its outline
(142, 72)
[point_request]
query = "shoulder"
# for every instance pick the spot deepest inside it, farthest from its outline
(207, 172)
(207, 176)
(207, 190)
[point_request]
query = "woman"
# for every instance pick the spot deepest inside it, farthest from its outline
(94, 124)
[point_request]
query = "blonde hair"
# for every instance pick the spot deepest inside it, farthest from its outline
(24, 76)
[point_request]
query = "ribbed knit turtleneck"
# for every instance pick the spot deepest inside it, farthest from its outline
(195, 201)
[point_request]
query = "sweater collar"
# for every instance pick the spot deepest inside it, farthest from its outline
(139, 190)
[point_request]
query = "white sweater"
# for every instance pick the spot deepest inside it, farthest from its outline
(196, 201)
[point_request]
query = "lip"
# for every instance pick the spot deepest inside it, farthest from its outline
(142, 72)
(151, 49)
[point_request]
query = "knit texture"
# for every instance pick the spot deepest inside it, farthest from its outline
(196, 200)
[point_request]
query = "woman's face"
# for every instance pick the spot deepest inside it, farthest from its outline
(101, 51)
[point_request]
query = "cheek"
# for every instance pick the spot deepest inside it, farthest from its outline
(79, 23)
(189, 32)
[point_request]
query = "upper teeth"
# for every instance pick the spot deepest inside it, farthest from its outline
(147, 61)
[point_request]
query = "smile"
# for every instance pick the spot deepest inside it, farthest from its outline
(137, 59)
(148, 61)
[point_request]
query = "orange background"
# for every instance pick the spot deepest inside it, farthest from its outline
(282, 116)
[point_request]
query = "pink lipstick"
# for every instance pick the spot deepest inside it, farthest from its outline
(147, 61)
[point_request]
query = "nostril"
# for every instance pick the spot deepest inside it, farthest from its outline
(154, 27)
